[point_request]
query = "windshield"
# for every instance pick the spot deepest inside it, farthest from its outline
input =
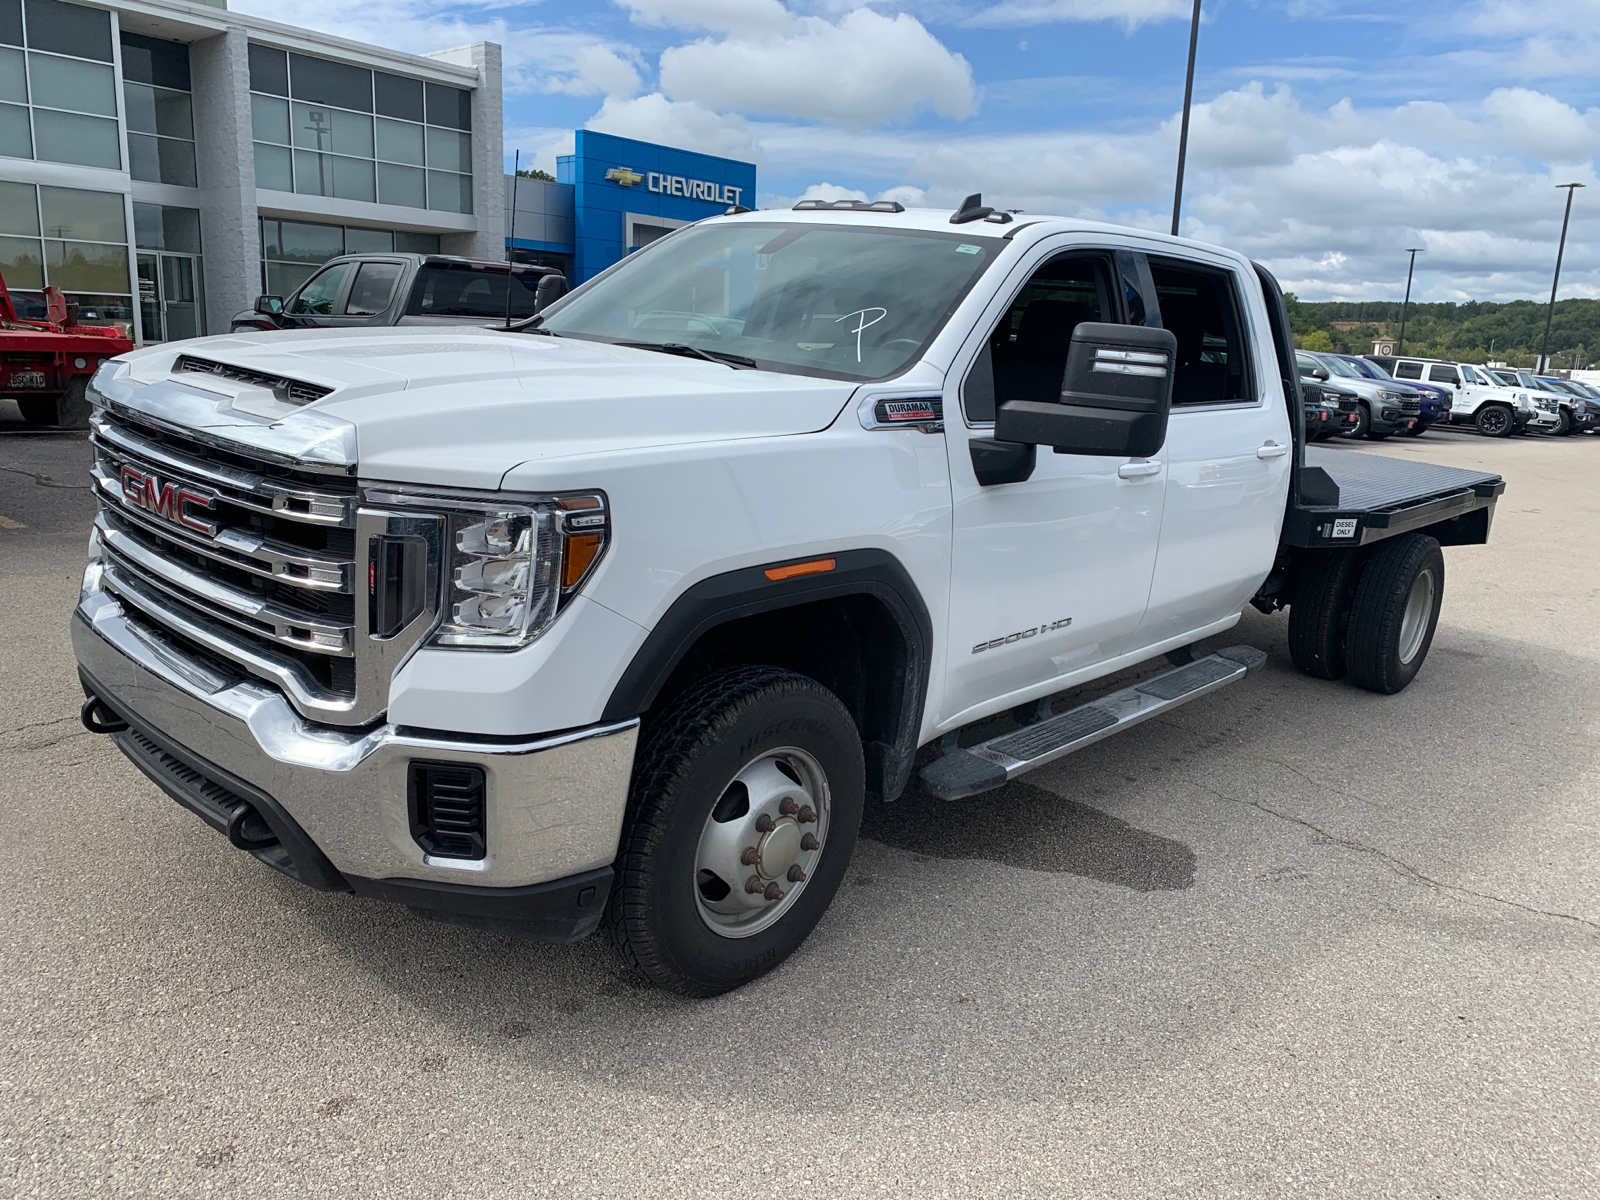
(841, 302)
(1370, 369)
(1339, 367)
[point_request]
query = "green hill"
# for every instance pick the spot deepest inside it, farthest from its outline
(1471, 332)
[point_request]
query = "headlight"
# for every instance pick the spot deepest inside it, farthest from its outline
(1395, 397)
(509, 566)
(512, 567)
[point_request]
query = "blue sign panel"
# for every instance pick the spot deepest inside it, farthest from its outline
(627, 193)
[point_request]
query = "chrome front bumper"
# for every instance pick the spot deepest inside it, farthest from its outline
(554, 803)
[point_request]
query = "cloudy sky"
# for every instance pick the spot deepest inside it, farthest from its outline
(1328, 134)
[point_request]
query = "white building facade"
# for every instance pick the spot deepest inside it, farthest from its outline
(165, 162)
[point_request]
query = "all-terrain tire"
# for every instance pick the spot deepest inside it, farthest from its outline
(1494, 420)
(1395, 612)
(1564, 424)
(1363, 425)
(1320, 612)
(688, 756)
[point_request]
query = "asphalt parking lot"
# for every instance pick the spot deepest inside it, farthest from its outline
(1295, 939)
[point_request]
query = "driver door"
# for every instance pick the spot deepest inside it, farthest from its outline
(1052, 574)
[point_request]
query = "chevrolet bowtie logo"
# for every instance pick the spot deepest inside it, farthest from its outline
(624, 176)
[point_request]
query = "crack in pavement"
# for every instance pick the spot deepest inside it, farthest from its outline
(1398, 865)
(47, 745)
(47, 481)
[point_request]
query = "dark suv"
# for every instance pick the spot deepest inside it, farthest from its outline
(407, 289)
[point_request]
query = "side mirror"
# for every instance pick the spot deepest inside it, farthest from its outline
(271, 306)
(1115, 395)
(1320, 374)
(550, 289)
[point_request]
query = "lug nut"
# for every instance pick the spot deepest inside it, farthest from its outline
(750, 857)
(810, 843)
(754, 885)
(796, 875)
(807, 815)
(788, 807)
(773, 892)
(764, 823)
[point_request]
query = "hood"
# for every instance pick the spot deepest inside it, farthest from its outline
(455, 407)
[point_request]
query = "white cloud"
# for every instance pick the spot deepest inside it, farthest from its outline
(684, 124)
(1542, 125)
(864, 69)
(831, 191)
(1130, 14)
(723, 16)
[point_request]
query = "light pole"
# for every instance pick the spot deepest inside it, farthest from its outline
(1183, 132)
(1544, 350)
(1413, 251)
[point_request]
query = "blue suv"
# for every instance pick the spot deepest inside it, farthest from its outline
(1433, 404)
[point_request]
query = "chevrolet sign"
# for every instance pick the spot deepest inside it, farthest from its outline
(626, 176)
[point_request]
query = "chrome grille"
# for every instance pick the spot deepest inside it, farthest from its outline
(294, 391)
(247, 560)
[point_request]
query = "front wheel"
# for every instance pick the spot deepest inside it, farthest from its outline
(1395, 612)
(1363, 424)
(1563, 424)
(746, 798)
(1494, 420)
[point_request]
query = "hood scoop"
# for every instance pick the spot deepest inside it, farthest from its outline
(289, 391)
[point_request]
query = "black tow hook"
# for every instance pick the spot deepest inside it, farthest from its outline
(97, 717)
(248, 831)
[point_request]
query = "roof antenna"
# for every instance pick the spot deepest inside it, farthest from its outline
(974, 209)
(511, 244)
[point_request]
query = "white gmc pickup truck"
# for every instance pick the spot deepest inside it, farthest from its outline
(618, 617)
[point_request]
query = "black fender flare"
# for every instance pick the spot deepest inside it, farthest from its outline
(748, 592)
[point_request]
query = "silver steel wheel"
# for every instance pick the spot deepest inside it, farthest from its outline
(762, 842)
(1419, 611)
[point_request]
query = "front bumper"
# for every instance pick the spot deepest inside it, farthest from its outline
(334, 800)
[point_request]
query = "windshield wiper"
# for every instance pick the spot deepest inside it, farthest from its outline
(683, 349)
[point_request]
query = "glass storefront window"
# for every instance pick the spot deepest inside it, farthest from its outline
(86, 266)
(13, 76)
(83, 216)
(163, 227)
(58, 98)
(21, 262)
(326, 141)
(71, 83)
(160, 114)
(291, 251)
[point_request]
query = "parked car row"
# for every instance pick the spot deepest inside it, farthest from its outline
(1380, 395)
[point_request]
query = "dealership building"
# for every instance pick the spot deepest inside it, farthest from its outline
(165, 162)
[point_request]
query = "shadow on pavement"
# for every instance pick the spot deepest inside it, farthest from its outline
(1028, 827)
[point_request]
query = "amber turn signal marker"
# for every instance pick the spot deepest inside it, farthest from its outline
(582, 549)
(815, 567)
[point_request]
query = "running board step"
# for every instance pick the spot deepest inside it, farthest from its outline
(992, 764)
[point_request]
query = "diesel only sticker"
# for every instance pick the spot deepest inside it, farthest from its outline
(1344, 527)
(1022, 635)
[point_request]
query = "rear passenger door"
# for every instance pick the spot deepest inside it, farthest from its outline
(1229, 449)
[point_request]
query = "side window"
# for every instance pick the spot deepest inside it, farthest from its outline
(1025, 356)
(1408, 370)
(458, 292)
(1306, 365)
(316, 298)
(1200, 307)
(374, 284)
(1440, 373)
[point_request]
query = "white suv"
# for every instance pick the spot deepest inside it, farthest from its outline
(1545, 397)
(1480, 398)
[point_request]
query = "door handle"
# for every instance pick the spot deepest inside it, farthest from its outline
(1271, 450)
(1138, 469)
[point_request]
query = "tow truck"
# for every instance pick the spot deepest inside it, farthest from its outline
(46, 365)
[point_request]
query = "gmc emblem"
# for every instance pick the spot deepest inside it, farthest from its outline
(169, 501)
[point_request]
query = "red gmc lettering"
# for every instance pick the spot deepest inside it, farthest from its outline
(165, 500)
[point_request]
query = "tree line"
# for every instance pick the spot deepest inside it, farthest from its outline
(1476, 331)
